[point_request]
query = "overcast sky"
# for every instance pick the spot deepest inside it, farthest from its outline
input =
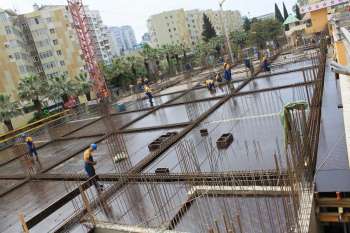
(136, 12)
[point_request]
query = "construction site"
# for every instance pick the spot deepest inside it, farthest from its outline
(264, 153)
(249, 159)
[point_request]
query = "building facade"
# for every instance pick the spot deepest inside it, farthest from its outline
(44, 42)
(123, 39)
(54, 41)
(15, 57)
(184, 28)
(99, 35)
(146, 38)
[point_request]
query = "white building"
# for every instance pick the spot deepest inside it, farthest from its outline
(180, 27)
(99, 35)
(124, 40)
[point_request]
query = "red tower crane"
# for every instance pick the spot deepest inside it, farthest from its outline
(77, 11)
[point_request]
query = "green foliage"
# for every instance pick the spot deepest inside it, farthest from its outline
(33, 88)
(285, 12)
(278, 14)
(208, 29)
(8, 110)
(84, 84)
(239, 38)
(124, 71)
(61, 87)
(297, 12)
(246, 24)
(265, 30)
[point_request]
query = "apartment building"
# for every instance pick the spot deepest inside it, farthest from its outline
(55, 41)
(180, 27)
(15, 58)
(99, 35)
(123, 39)
(169, 28)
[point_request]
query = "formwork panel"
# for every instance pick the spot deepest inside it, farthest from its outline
(173, 114)
(48, 156)
(137, 149)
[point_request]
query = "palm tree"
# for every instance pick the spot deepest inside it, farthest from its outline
(84, 85)
(32, 88)
(61, 88)
(8, 110)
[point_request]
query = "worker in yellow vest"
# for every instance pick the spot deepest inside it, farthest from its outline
(148, 93)
(31, 146)
(209, 83)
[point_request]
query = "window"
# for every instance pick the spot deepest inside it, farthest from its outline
(49, 20)
(52, 30)
(174, 29)
(62, 63)
(55, 42)
(22, 69)
(17, 56)
(169, 30)
(36, 20)
(8, 30)
(188, 25)
(59, 52)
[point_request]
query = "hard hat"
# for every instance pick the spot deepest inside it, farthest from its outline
(93, 146)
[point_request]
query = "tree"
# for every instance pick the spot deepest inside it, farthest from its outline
(278, 14)
(285, 12)
(33, 88)
(246, 24)
(208, 29)
(8, 110)
(265, 30)
(84, 85)
(61, 88)
(216, 45)
(239, 38)
(297, 12)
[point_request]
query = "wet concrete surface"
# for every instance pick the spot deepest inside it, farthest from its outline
(274, 81)
(250, 118)
(237, 157)
(176, 88)
(173, 114)
(48, 156)
(144, 103)
(258, 103)
(6, 184)
(137, 148)
(198, 94)
(333, 170)
(99, 127)
(13, 152)
(257, 214)
(136, 204)
(31, 198)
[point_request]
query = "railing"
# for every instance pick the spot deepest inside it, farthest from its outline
(4, 138)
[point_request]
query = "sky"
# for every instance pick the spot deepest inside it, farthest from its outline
(136, 12)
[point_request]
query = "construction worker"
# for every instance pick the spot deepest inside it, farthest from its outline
(31, 146)
(265, 64)
(227, 73)
(89, 165)
(209, 83)
(148, 93)
(218, 78)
